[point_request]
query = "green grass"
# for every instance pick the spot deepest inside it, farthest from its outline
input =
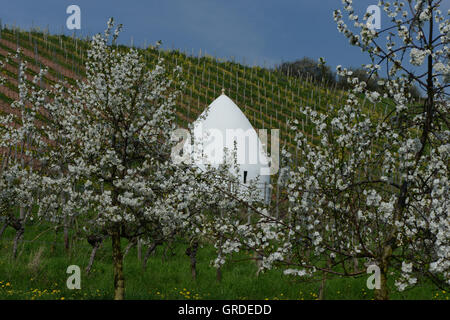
(45, 278)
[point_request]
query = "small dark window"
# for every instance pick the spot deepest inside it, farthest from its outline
(245, 176)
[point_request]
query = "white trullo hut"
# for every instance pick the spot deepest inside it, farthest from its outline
(224, 125)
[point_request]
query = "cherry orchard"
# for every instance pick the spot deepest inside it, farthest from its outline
(369, 188)
(115, 152)
(116, 132)
(416, 132)
(372, 187)
(99, 153)
(21, 143)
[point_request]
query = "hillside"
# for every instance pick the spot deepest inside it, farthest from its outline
(267, 97)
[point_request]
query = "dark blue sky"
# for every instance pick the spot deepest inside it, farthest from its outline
(259, 31)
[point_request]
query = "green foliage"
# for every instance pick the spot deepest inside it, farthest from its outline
(307, 67)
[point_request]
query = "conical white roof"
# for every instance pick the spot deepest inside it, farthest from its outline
(224, 124)
(224, 114)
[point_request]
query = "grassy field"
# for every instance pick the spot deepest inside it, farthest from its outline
(39, 272)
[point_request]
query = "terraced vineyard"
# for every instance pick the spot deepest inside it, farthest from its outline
(267, 97)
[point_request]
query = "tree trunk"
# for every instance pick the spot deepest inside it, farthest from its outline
(20, 230)
(18, 225)
(150, 250)
(119, 281)
(139, 249)
(130, 245)
(383, 292)
(324, 281)
(92, 257)
(322, 286)
(66, 232)
(55, 238)
(17, 238)
(5, 225)
(22, 213)
(219, 274)
(355, 265)
(258, 262)
(192, 253)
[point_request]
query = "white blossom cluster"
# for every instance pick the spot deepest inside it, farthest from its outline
(371, 186)
(102, 157)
